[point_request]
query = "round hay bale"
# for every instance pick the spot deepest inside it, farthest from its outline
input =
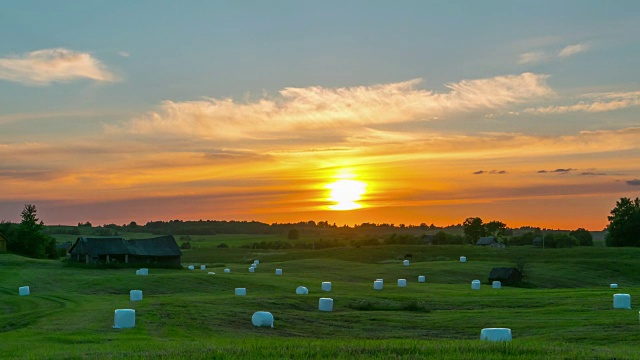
(252, 269)
(405, 262)
(495, 334)
(463, 259)
(124, 318)
(475, 285)
(402, 282)
(301, 290)
(421, 278)
(24, 291)
(135, 295)
(241, 291)
(326, 286)
(378, 285)
(203, 267)
(191, 267)
(227, 270)
(278, 272)
(262, 318)
(613, 286)
(496, 285)
(325, 304)
(622, 301)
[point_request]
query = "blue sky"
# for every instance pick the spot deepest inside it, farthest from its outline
(178, 82)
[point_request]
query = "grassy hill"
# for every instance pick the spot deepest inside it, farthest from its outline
(564, 312)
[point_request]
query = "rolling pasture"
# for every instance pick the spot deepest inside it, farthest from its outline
(564, 311)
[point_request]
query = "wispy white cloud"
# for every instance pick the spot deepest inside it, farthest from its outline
(532, 57)
(318, 107)
(599, 103)
(124, 53)
(572, 50)
(45, 66)
(543, 55)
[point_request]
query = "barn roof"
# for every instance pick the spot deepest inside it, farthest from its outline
(486, 240)
(96, 246)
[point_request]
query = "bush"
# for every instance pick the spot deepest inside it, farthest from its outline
(222, 246)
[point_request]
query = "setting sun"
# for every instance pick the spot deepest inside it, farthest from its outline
(345, 194)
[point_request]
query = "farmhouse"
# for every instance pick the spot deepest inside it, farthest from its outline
(158, 250)
(507, 276)
(3, 243)
(489, 241)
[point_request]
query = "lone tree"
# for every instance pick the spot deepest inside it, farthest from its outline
(624, 223)
(474, 229)
(29, 239)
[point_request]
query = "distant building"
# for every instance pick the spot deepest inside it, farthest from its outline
(507, 276)
(486, 241)
(427, 239)
(538, 241)
(162, 250)
(3, 243)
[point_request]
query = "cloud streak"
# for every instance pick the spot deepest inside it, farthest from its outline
(598, 103)
(533, 57)
(43, 67)
(321, 108)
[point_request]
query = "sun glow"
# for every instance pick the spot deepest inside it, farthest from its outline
(345, 194)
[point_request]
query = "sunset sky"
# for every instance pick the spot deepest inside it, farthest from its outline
(284, 111)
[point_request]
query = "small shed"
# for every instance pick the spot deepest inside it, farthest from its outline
(486, 241)
(3, 243)
(507, 276)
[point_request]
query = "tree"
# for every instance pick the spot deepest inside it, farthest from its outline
(293, 234)
(29, 239)
(495, 228)
(624, 223)
(474, 229)
(583, 236)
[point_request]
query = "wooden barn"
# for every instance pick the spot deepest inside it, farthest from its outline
(507, 276)
(3, 243)
(162, 250)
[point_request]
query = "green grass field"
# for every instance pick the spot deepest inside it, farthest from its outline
(564, 312)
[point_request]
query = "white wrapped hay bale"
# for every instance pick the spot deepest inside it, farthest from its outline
(495, 334)
(421, 278)
(124, 318)
(381, 280)
(475, 285)
(256, 262)
(252, 269)
(622, 301)
(326, 286)
(378, 285)
(613, 286)
(402, 282)
(463, 259)
(135, 295)
(144, 271)
(24, 291)
(405, 263)
(227, 270)
(254, 266)
(301, 290)
(203, 267)
(138, 272)
(241, 291)
(496, 285)
(211, 273)
(262, 318)
(279, 272)
(325, 304)
(191, 267)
